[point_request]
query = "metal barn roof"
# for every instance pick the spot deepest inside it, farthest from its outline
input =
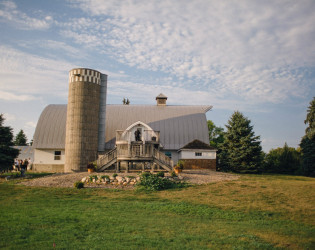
(178, 125)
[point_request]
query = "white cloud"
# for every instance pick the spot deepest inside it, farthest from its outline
(139, 93)
(7, 96)
(25, 77)
(54, 48)
(21, 20)
(30, 124)
(252, 50)
(9, 117)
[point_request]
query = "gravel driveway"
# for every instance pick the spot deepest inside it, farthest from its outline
(68, 179)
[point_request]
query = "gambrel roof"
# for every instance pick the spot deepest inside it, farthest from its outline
(178, 125)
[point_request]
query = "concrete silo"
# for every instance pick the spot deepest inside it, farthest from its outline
(86, 112)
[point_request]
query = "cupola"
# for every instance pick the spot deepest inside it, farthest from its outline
(161, 100)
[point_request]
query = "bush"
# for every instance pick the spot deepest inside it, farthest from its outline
(173, 174)
(160, 174)
(180, 164)
(79, 185)
(114, 175)
(92, 165)
(145, 174)
(153, 182)
(92, 177)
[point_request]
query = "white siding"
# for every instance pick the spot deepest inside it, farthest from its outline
(46, 156)
(191, 154)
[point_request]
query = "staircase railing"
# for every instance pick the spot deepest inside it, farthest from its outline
(109, 156)
(160, 156)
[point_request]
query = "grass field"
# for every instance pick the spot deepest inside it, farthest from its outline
(254, 212)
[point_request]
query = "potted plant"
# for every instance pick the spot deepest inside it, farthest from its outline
(179, 167)
(91, 167)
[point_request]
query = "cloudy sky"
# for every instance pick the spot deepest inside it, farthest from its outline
(257, 57)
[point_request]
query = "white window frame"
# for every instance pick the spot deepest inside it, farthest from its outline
(57, 155)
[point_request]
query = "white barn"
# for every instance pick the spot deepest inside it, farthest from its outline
(67, 137)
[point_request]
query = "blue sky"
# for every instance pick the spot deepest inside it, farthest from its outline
(257, 57)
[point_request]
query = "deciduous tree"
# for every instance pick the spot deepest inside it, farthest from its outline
(284, 160)
(216, 134)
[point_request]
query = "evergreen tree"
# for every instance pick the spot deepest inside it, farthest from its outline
(310, 120)
(125, 101)
(308, 142)
(7, 153)
(216, 134)
(241, 149)
(20, 139)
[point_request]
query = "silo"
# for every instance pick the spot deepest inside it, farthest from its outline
(86, 96)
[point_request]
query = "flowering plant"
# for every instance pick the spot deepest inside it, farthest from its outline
(92, 165)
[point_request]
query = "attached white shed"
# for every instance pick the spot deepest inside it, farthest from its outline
(198, 155)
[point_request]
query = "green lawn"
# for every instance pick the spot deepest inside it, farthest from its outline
(254, 212)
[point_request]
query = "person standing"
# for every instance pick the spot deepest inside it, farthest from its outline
(24, 167)
(29, 166)
(16, 164)
(20, 165)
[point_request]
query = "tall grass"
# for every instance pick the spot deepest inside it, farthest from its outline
(255, 212)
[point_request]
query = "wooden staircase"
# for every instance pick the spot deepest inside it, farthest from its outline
(107, 160)
(157, 157)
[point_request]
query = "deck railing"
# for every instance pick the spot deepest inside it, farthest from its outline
(147, 135)
(136, 150)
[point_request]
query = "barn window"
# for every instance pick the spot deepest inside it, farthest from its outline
(168, 154)
(57, 155)
(198, 154)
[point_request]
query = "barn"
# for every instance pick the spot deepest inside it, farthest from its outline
(121, 137)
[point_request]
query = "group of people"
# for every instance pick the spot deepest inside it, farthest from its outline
(23, 165)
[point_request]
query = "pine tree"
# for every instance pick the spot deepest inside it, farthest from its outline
(241, 149)
(7, 153)
(308, 142)
(20, 139)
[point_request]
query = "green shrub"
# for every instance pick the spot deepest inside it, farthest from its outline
(115, 175)
(145, 174)
(180, 164)
(79, 185)
(173, 174)
(153, 182)
(92, 177)
(92, 165)
(104, 177)
(160, 174)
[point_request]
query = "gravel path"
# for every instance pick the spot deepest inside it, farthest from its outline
(68, 179)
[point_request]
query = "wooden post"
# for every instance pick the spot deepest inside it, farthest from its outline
(152, 167)
(127, 167)
(118, 167)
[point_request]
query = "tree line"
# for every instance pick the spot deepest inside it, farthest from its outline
(239, 149)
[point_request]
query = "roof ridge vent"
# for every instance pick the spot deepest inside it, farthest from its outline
(161, 100)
